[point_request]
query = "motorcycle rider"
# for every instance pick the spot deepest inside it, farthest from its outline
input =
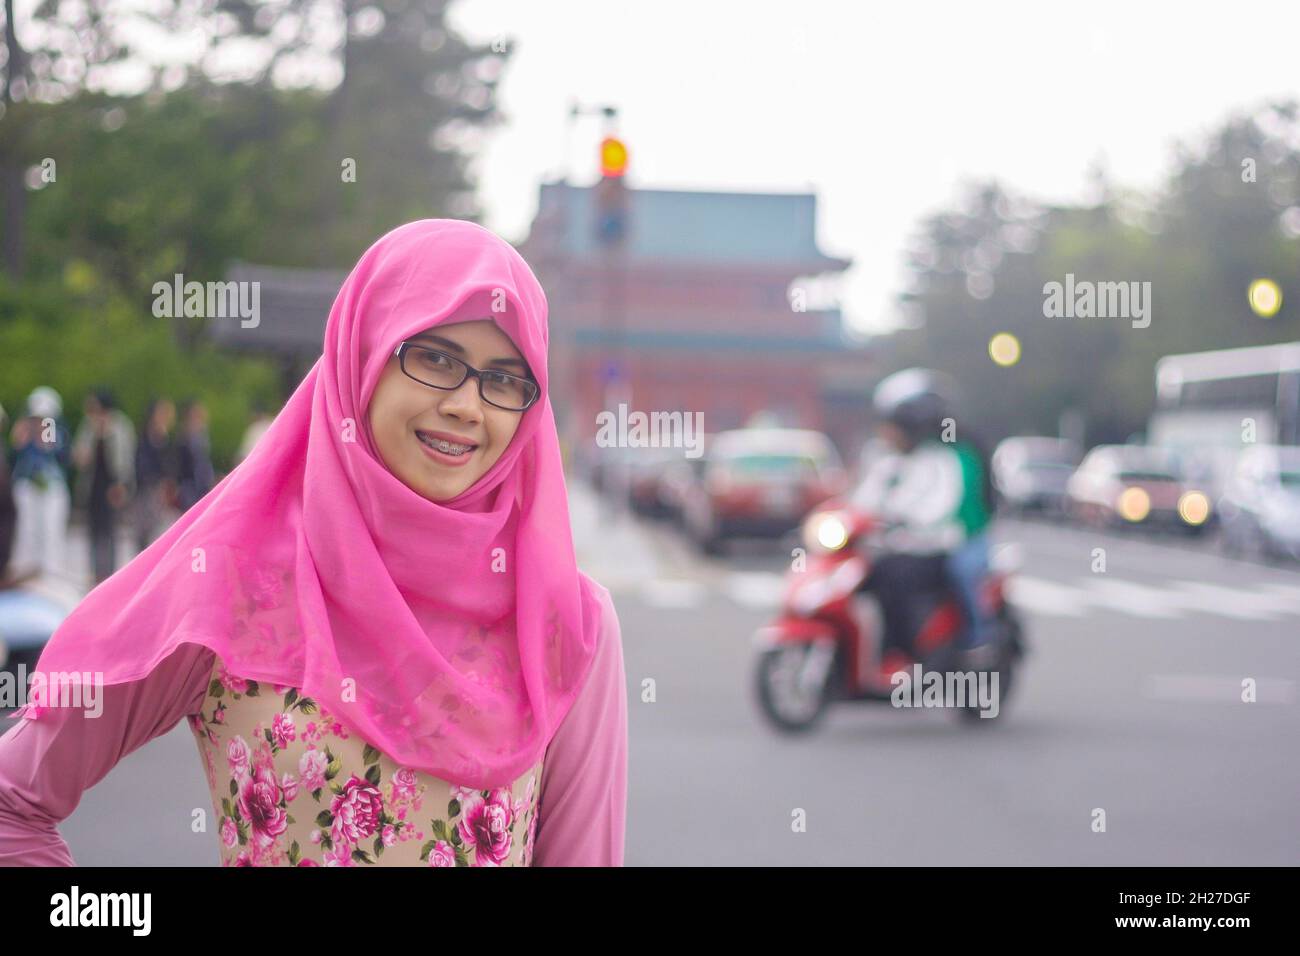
(932, 492)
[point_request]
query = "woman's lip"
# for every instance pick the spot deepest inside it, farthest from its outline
(446, 436)
(455, 462)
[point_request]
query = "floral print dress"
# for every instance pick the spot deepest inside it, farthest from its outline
(292, 787)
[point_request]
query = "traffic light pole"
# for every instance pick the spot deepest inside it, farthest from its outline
(618, 384)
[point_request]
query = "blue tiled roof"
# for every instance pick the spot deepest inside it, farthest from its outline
(827, 341)
(675, 225)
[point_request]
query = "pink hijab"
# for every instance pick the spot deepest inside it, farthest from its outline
(453, 636)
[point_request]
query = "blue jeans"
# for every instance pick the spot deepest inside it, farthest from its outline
(967, 567)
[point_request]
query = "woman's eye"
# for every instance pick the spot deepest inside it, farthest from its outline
(496, 378)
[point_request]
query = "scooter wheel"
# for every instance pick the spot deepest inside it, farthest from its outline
(786, 703)
(973, 714)
(1008, 656)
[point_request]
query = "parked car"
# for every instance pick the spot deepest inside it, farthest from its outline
(29, 613)
(646, 469)
(758, 481)
(601, 466)
(1119, 485)
(675, 483)
(1259, 512)
(636, 473)
(1031, 473)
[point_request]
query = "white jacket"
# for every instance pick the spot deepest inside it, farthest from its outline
(922, 491)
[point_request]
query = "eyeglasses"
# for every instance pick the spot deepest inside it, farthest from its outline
(440, 370)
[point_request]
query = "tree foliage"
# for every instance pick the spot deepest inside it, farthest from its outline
(981, 267)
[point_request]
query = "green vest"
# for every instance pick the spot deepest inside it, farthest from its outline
(973, 513)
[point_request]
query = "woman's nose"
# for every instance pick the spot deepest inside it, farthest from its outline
(464, 402)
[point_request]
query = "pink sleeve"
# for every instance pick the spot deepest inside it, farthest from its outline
(583, 802)
(47, 763)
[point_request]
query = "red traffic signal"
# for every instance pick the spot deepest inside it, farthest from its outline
(613, 157)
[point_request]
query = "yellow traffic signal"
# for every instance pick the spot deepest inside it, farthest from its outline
(613, 157)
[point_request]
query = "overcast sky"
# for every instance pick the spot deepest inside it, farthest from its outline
(881, 110)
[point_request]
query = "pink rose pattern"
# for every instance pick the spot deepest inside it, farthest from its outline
(290, 764)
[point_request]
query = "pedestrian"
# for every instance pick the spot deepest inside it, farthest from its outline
(8, 513)
(156, 471)
(104, 453)
(375, 624)
(196, 475)
(258, 424)
(40, 486)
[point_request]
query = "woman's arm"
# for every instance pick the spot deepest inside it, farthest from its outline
(48, 762)
(583, 803)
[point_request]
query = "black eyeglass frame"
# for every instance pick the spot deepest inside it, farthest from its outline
(405, 347)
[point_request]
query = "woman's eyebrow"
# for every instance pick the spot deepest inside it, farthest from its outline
(460, 350)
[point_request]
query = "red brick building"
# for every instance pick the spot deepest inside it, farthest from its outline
(701, 312)
(706, 308)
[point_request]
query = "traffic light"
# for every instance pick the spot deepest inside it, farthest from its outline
(611, 193)
(613, 157)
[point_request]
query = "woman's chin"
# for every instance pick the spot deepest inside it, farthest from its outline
(444, 487)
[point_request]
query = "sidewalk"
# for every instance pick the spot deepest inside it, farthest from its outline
(78, 571)
(610, 544)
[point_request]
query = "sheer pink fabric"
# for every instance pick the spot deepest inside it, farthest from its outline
(311, 565)
(47, 765)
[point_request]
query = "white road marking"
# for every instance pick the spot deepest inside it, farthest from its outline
(1208, 687)
(1231, 602)
(1041, 596)
(673, 593)
(1182, 598)
(1289, 594)
(1136, 599)
(756, 589)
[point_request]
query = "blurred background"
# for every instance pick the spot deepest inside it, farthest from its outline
(744, 216)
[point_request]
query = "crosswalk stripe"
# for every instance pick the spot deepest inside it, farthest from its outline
(1045, 597)
(1232, 602)
(1177, 599)
(1209, 687)
(1136, 599)
(1288, 593)
(1268, 602)
(670, 593)
(756, 589)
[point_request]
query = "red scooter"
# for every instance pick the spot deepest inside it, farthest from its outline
(825, 644)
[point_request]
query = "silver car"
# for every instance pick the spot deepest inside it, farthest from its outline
(1260, 507)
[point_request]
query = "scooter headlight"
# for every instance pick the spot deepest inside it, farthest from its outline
(825, 531)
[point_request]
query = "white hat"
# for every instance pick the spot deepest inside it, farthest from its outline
(44, 402)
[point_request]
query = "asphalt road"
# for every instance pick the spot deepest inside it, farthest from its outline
(1129, 703)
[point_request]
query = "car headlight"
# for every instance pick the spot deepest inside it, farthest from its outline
(1133, 503)
(1194, 507)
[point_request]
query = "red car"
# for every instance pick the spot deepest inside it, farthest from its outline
(759, 481)
(1136, 485)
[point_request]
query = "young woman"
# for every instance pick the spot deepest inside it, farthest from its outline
(374, 624)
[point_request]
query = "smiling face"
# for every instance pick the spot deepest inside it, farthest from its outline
(438, 442)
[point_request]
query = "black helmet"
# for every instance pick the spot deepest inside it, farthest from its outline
(917, 400)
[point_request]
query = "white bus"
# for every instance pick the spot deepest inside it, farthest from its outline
(1209, 405)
